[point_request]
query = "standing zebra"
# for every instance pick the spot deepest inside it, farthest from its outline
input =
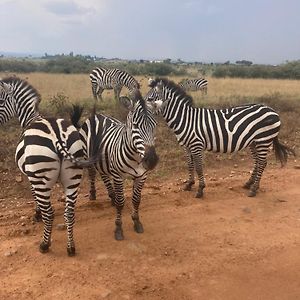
(194, 85)
(126, 150)
(218, 130)
(49, 149)
(107, 79)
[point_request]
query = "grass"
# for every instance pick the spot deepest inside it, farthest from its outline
(59, 91)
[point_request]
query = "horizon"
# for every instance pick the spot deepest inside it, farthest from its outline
(40, 55)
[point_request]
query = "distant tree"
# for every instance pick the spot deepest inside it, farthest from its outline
(244, 62)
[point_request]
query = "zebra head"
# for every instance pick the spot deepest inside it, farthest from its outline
(17, 97)
(141, 129)
(7, 108)
(158, 96)
(164, 93)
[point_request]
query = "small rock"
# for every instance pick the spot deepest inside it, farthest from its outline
(10, 253)
(104, 293)
(297, 167)
(247, 210)
(19, 178)
(102, 256)
(61, 227)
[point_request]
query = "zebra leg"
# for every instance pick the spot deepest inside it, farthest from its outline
(198, 160)
(119, 203)
(191, 181)
(99, 93)
(261, 164)
(37, 217)
(136, 200)
(70, 177)
(251, 180)
(92, 179)
(110, 188)
(117, 90)
(42, 196)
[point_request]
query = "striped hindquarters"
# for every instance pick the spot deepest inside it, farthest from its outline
(41, 145)
(233, 129)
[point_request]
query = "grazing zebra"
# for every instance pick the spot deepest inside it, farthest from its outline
(127, 149)
(194, 85)
(107, 79)
(218, 130)
(49, 149)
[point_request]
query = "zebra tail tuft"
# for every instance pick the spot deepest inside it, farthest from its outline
(76, 114)
(281, 151)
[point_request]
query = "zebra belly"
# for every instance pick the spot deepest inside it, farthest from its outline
(132, 170)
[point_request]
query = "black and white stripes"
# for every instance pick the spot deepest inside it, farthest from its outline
(192, 85)
(102, 78)
(218, 130)
(127, 149)
(49, 150)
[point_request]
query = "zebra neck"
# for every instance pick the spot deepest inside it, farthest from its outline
(176, 114)
(27, 120)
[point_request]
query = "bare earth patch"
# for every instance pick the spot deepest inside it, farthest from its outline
(225, 246)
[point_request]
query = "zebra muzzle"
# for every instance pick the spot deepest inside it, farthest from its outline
(150, 159)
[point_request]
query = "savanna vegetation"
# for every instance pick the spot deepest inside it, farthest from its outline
(60, 91)
(76, 64)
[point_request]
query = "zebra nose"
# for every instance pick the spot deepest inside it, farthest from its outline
(150, 159)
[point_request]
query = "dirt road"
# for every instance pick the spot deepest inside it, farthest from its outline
(226, 246)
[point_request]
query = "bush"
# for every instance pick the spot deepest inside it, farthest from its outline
(290, 70)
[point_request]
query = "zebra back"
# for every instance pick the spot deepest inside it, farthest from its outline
(194, 84)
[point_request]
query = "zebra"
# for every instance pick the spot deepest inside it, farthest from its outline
(193, 85)
(218, 130)
(49, 149)
(127, 150)
(102, 78)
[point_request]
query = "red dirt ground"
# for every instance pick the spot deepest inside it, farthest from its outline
(226, 246)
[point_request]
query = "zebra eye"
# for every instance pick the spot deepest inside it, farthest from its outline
(2, 102)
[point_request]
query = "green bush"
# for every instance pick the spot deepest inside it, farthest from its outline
(290, 70)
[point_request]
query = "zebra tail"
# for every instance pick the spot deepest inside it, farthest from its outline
(80, 162)
(281, 151)
(76, 114)
(96, 137)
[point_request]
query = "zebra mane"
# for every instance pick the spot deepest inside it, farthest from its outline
(174, 87)
(14, 80)
(137, 97)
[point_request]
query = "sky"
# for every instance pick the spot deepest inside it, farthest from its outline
(262, 31)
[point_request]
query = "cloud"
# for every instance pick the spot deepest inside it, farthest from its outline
(63, 8)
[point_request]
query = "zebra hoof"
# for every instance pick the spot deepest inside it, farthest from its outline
(44, 248)
(188, 186)
(119, 234)
(247, 185)
(92, 196)
(251, 193)
(71, 251)
(138, 227)
(37, 217)
(199, 194)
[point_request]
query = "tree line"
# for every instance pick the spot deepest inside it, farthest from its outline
(84, 64)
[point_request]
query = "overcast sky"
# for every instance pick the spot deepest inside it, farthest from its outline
(263, 31)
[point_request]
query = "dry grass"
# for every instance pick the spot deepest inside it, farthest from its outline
(77, 86)
(283, 95)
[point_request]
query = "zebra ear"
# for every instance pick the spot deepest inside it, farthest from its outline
(150, 82)
(127, 103)
(159, 86)
(6, 87)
